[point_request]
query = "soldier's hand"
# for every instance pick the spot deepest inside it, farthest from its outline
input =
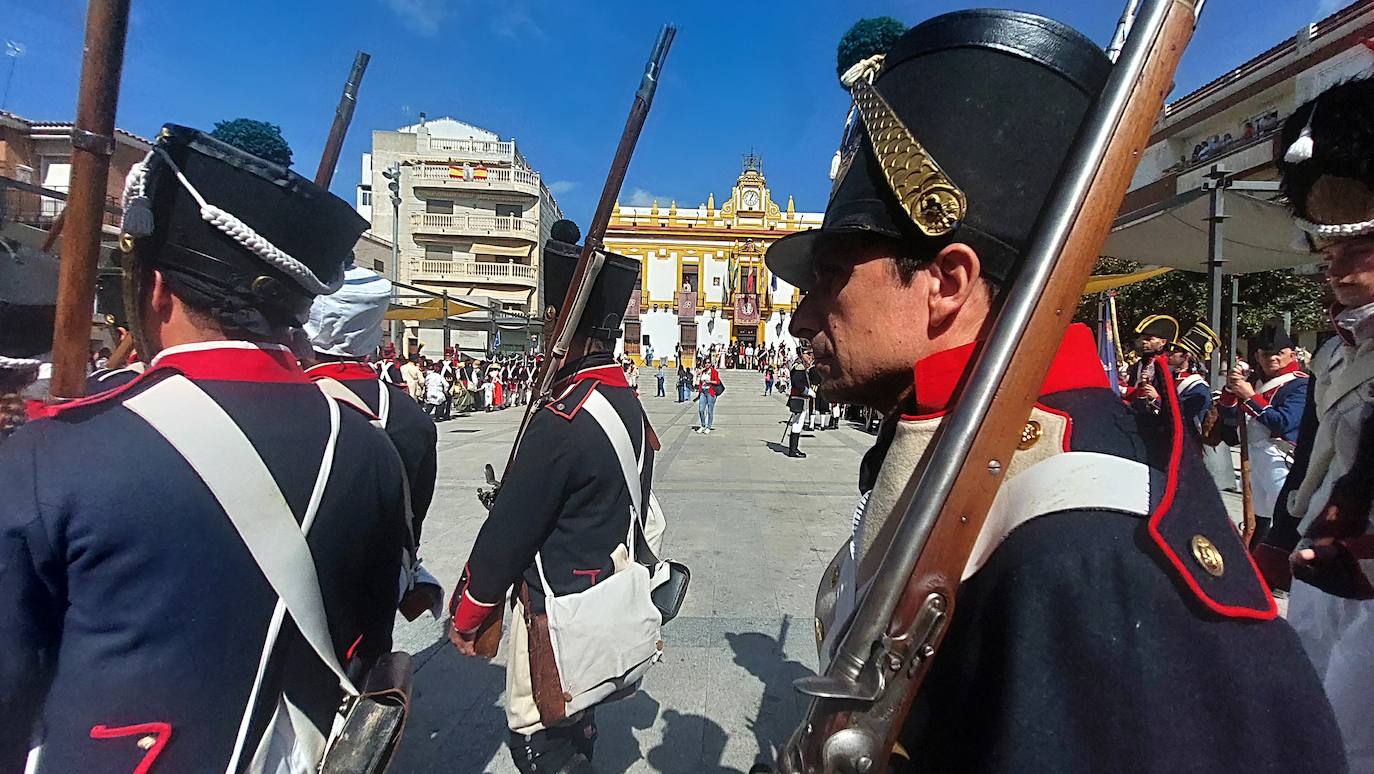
(1147, 391)
(465, 643)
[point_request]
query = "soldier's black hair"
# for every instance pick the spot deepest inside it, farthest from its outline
(1343, 140)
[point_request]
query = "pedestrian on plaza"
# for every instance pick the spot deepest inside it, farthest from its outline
(660, 375)
(767, 380)
(709, 387)
(436, 393)
(414, 377)
(564, 524)
(1270, 400)
(798, 401)
(1148, 585)
(684, 382)
(147, 532)
(1323, 516)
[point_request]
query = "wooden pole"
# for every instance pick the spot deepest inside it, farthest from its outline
(343, 116)
(93, 144)
(1247, 500)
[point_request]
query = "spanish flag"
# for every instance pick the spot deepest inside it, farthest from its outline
(479, 173)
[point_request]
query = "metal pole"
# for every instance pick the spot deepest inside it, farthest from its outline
(1215, 259)
(1233, 324)
(395, 175)
(447, 342)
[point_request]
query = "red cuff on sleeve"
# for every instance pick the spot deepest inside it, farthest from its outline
(1256, 403)
(469, 614)
(1228, 399)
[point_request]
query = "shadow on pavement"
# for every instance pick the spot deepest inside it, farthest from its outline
(456, 720)
(691, 744)
(780, 708)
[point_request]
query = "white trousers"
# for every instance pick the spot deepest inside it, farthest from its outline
(1338, 635)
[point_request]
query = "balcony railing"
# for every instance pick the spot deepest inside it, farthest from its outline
(474, 225)
(475, 178)
(489, 272)
(467, 149)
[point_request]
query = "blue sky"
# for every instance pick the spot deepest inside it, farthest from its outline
(559, 76)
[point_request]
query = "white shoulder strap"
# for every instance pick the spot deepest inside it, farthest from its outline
(604, 413)
(338, 391)
(383, 403)
(214, 446)
(1064, 482)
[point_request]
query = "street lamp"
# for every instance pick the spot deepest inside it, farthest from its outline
(393, 177)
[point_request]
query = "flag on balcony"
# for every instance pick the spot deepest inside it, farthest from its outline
(479, 172)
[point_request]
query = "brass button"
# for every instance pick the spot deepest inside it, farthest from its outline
(560, 407)
(1207, 555)
(820, 630)
(567, 697)
(146, 743)
(1030, 435)
(126, 243)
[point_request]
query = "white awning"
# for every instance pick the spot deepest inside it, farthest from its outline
(1258, 235)
(509, 251)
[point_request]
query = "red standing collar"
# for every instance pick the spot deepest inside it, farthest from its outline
(232, 361)
(343, 371)
(1075, 367)
(612, 375)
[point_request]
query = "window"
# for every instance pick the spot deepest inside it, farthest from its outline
(508, 211)
(689, 278)
(379, 266)
(365, 198)
(631, 338)
(438, 252)
(687, 335)
(439, 206)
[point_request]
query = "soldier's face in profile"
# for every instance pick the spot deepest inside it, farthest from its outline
(1350, 271)
(868, 324)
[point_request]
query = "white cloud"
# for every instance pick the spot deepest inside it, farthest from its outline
(512, 19)
(559, 187)
(1327, 7)
(421, 16)
(640, 197)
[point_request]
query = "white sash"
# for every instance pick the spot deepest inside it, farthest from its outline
(1273, 384)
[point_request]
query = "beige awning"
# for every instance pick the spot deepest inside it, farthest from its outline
(516, 251)
(432, 309)
(1258, 235)
(1100, 282)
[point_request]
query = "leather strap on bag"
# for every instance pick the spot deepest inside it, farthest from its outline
(545, 682)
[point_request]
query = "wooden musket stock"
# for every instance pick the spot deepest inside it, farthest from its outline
(863, 698)
(93, 143)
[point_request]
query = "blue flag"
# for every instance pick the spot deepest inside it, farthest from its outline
(496, 342)
(1106, 341)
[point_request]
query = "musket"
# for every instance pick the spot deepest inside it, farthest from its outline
(93, 143)
(591, 259)
(343, 116)
(589, 263)
(859, 704)
(1247, 499)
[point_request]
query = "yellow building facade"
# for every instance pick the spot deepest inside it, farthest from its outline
(702, 278)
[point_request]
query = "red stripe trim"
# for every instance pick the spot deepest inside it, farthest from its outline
(353, 648)
(162, 733)
(567, 413)
(343, 370)
(1167, 501)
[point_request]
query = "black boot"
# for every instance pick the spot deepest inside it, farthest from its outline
(792, 450)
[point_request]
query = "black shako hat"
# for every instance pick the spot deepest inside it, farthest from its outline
(1328, 165)
(28, 304)
(601, 318)
(1272, 337)
(246, 238)
(1200, 341)
(959, 138)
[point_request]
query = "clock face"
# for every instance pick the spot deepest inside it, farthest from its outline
(751, 200)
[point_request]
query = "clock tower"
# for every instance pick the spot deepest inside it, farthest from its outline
(750, 198)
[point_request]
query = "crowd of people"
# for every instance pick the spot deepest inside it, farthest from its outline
(456, 384)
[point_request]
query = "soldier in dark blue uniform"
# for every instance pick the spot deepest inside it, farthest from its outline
(566, 499)
(1109, 617)
(139, 630)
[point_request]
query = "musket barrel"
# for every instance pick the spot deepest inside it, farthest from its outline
(343, 116)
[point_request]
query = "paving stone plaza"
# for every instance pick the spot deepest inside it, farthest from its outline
(756, 528)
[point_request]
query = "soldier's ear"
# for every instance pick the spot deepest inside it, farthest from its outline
(161, 302)
(955, 285)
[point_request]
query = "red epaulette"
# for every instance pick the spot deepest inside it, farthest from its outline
(570, 401)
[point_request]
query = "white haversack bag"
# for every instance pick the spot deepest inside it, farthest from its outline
(605, 639)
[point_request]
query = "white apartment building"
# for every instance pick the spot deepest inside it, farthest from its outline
(474, 217)
(1234, 120)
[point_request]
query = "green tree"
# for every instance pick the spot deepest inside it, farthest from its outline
(1183, 294)
(866, 38)
(259, 138)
